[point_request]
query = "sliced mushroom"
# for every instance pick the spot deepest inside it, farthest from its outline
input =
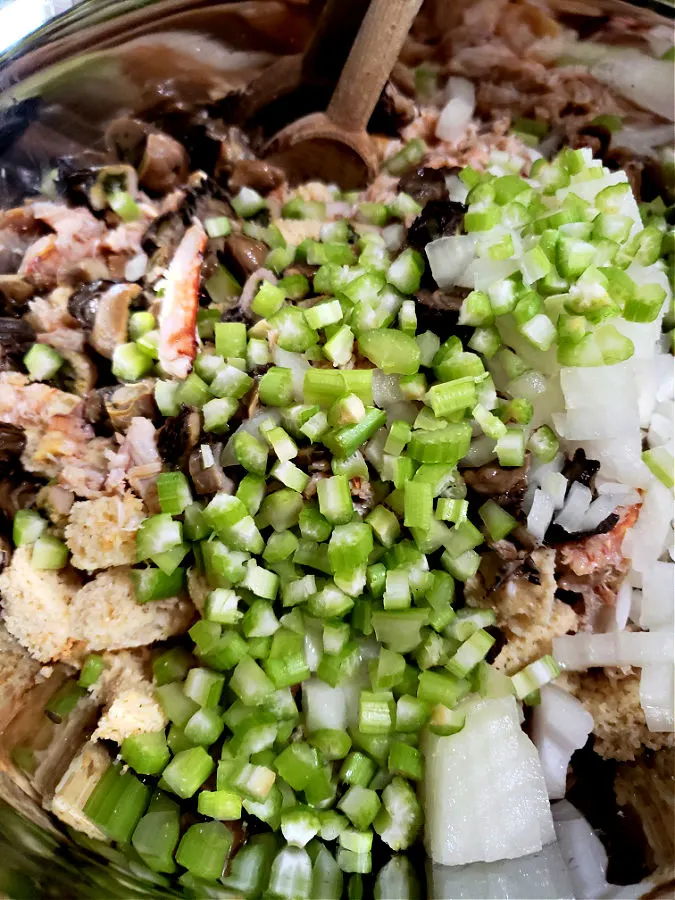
(125, 138)
(15, 292)
(425, 184)
(16, 336)
(165, 164)
(124, 403)
(438, 219)
(83, 303)
(112, 316)
(78, 375)
(206, 471)
(16, 493)
(257, 174)
(110, 179)
(12, 442)
(244, 255)
(179, 436)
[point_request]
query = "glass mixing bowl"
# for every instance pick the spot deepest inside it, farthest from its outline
(59, 89)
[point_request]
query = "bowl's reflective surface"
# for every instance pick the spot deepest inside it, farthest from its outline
(58, 90)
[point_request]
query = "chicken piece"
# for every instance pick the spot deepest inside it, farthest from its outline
(77, 235)
(600, 553)
(59, 443)
(613, 700)
(37, 607)
(527, 610)
(102, 533)
(76, 786)
(136, 460)
(106, 616)
(178, 310)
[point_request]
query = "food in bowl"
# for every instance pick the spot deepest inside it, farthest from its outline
(341, 520)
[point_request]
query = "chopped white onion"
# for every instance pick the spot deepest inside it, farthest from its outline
(645, 540)
(457, 190)
(582, 850)
(449, 257)
(555, 484)
(560, 725)
(405, 411)
(324, 706)
(394, 235)
(657, 696)
(136, 267)
(298, 365)
(458, 110)
(252, 426)
(485, 796)
(598, 511)
(635, 603)
(539, 471)
(658, 596)
(481, 451)
(616, 648)
(572, 514)
(386, 389)
(622, 607)
(597, 423)
(540, 515)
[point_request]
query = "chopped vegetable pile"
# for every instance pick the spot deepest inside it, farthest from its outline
(330, 415)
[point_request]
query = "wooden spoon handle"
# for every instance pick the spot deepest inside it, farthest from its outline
(370, 62)
(333, 38)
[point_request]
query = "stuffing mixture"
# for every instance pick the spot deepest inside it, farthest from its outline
(318, 504)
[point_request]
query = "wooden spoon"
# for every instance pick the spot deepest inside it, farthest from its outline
(334, 146)
(303, 78)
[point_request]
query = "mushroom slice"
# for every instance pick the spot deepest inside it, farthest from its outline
(125, 138)
(179, 305)
(129, 401)
(109, 180)
(165, 164)
(79, 373)
(112, 316)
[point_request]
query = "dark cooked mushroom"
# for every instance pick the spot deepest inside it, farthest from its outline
(257, 174)
(111, 318)
(83, 303)
(12, 442)
(506, 486)
(5, 552)
(15, 292)
(438, 310)
(165, 164)
(78, 375)
(439, 218)
(108, 180)
(16, 492)
(244, 255)
(16, 336)
(206, 471)
(425, 184)
(125, 138)
(179, 436)
(122, 404)
(581, 469)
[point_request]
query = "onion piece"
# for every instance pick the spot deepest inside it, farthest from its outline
(458, 111)
(481, 451)
(598, 511)
(386, 389)
(657, 696)
(622, 607)
(449, 257)
(298, 365)
(577, 652)
(501, 808)
(657, 596)
(644, 541)
(578, 501)
(540, 515)
(324, 706)
(560, 725)
(582, 850)
(252, 426)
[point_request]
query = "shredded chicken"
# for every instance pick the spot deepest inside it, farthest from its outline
(137, 459)
(59, 443)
